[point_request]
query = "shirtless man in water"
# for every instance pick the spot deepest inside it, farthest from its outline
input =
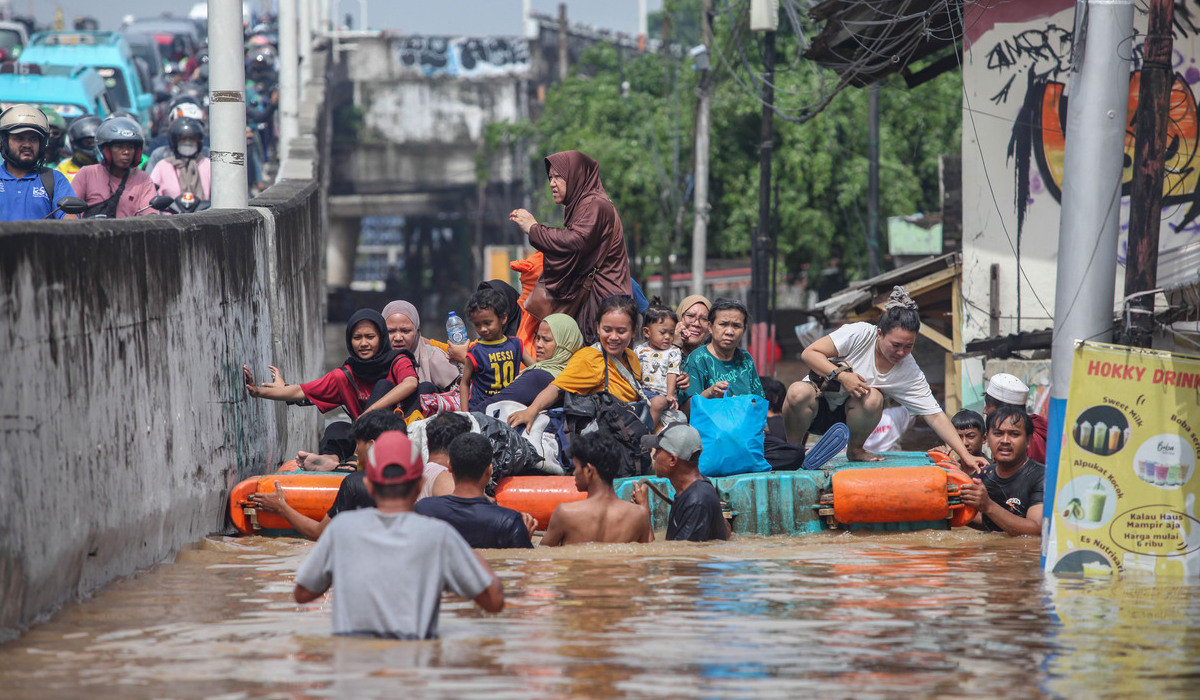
(601, 517)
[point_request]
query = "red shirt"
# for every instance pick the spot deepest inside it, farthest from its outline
(335, 388)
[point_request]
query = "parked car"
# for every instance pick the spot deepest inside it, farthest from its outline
(13, 39)
(72, 91)
(108, 53)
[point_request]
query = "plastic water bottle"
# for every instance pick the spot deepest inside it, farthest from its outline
(456, 330)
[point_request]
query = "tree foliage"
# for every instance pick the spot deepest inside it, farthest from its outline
(635, 115)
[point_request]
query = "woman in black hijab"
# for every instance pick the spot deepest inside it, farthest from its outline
(375, 376)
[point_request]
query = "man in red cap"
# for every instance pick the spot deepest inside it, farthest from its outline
(391, 564)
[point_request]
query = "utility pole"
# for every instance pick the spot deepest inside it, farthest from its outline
(563, 55)
(1091, 201)
(227, 105)
(873, 179)
(1145, 197)
(289, 77)
(764, 16)
(700, 193)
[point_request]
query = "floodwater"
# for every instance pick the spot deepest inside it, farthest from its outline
(897, 615)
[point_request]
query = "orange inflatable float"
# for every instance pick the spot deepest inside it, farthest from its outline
(537, 495)
(899, 494)
(311, 493)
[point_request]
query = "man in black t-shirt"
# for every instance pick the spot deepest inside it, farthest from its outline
(482, 524)
(696, 513)
(1008, 494)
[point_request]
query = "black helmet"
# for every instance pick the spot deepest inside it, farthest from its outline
(22, 117)
(182, 128)
(83, 128)
(119, 130)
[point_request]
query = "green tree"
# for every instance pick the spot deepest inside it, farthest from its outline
(634, 114)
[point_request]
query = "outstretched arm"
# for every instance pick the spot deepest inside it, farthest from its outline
(276, 502)
(543, 401)
(275, 389)
(941, 425)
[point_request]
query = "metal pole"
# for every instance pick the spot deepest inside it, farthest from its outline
(873, 179)
(1145, 197)
(1091, 198)
(563, 54)
(305, 40)
(700, 199)
(643, 28)
(227, 104)
(759, 308)
(289, 78)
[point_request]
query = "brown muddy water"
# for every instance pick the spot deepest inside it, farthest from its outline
(903, 615)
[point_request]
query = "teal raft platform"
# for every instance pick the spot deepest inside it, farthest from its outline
(786, 503)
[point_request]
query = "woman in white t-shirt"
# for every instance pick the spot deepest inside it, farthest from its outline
(881, 357)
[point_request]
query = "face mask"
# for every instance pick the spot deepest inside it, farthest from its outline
(188, 149)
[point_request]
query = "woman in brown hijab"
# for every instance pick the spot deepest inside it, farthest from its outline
(585, 260)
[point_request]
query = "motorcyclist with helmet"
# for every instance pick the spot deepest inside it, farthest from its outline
(160, 147)
(186, 169)
(56, 148)
(28, 190)
(114, 187)
(81, 137)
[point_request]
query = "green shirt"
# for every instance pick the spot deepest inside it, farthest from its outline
(704, 370)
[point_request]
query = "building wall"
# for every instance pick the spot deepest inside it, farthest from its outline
(1015, 72)
(124, 417)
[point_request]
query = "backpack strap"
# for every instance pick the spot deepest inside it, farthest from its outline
(47, 176)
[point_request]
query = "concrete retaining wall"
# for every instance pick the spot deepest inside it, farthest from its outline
(123, 414)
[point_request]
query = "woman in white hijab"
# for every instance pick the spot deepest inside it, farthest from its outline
(435, 372)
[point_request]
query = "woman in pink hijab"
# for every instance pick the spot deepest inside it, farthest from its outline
(435, 372)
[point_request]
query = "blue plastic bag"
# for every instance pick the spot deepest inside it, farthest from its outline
(731, 430)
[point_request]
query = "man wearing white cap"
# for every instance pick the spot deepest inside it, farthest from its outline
(1006, 390)
(696, 512)
(390, 564)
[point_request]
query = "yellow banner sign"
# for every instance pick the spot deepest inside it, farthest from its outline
(1125, 497)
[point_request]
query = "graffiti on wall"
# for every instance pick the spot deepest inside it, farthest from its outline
(463, 57)
(1038, 61)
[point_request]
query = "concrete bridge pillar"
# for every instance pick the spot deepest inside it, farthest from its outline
(341, 250)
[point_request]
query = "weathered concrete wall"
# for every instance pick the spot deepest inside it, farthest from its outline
(122, 408)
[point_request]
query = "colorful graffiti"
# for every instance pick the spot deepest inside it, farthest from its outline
(1180, 173)
(1038, 135)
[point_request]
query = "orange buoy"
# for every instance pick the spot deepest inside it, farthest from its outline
(938, 456)
(960, 513)
(309, 493)
(890, 495)
(537, 495)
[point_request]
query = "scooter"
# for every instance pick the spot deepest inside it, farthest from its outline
(188, 203)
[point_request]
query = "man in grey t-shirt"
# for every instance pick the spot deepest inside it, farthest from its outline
(390, 564)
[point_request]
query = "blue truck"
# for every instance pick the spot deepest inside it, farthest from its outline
(108, 53)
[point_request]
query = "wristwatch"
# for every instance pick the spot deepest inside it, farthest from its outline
(833, 375)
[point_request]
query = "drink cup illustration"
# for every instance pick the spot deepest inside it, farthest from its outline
(1174, 475)
(1161, 471)
(1085, 435)
(1114, 439)
(1094, 501)
(1099, 437)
